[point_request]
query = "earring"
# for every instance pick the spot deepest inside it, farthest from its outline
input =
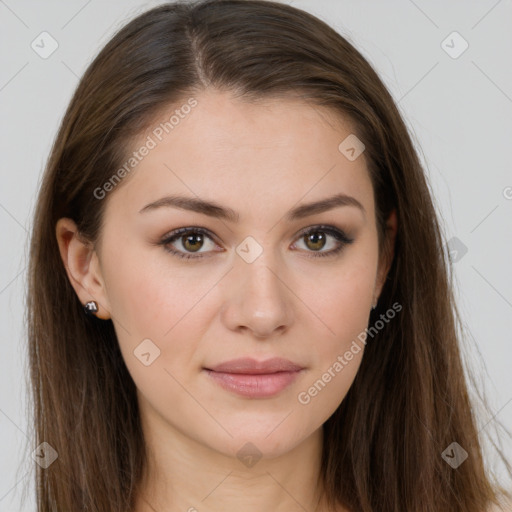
(374, 306)
(91, 308)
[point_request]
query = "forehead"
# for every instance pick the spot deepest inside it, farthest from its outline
(232, 151)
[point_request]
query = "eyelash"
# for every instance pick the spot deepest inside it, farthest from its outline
(339, 235)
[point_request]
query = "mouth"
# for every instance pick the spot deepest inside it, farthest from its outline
(253, 379)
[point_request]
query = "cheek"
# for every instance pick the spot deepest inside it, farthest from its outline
(153, 313)
(146, 296)
(344, 300)
(337, 353)
(151, 299)
(343, 304)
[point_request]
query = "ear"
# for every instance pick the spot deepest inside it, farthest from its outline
(82, 266)
(387, 255)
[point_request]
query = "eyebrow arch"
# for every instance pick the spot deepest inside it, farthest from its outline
(213, 209)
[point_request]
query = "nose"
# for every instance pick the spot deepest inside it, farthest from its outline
(258, 301)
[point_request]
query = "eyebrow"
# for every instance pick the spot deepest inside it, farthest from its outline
(213, 209)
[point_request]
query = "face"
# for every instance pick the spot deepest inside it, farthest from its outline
(189, 290)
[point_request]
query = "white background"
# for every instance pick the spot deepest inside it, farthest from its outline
(459, 111)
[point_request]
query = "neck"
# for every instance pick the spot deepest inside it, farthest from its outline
(185, 475)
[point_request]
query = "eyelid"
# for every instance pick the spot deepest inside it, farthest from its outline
(337, 233)
(327, 228)
(176, 234)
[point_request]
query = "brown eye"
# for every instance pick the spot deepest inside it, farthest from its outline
(315, 240)
(187, 242)
(192, 242)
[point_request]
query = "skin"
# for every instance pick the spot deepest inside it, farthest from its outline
(261, 159)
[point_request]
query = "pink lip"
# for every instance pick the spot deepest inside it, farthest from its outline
(254, 379)
(252, 366)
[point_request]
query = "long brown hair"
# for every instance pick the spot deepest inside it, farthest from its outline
(409, 401)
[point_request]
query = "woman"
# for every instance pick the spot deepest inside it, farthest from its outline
(238, 289)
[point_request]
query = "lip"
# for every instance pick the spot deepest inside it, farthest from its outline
(249, 366)
(255, 379)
